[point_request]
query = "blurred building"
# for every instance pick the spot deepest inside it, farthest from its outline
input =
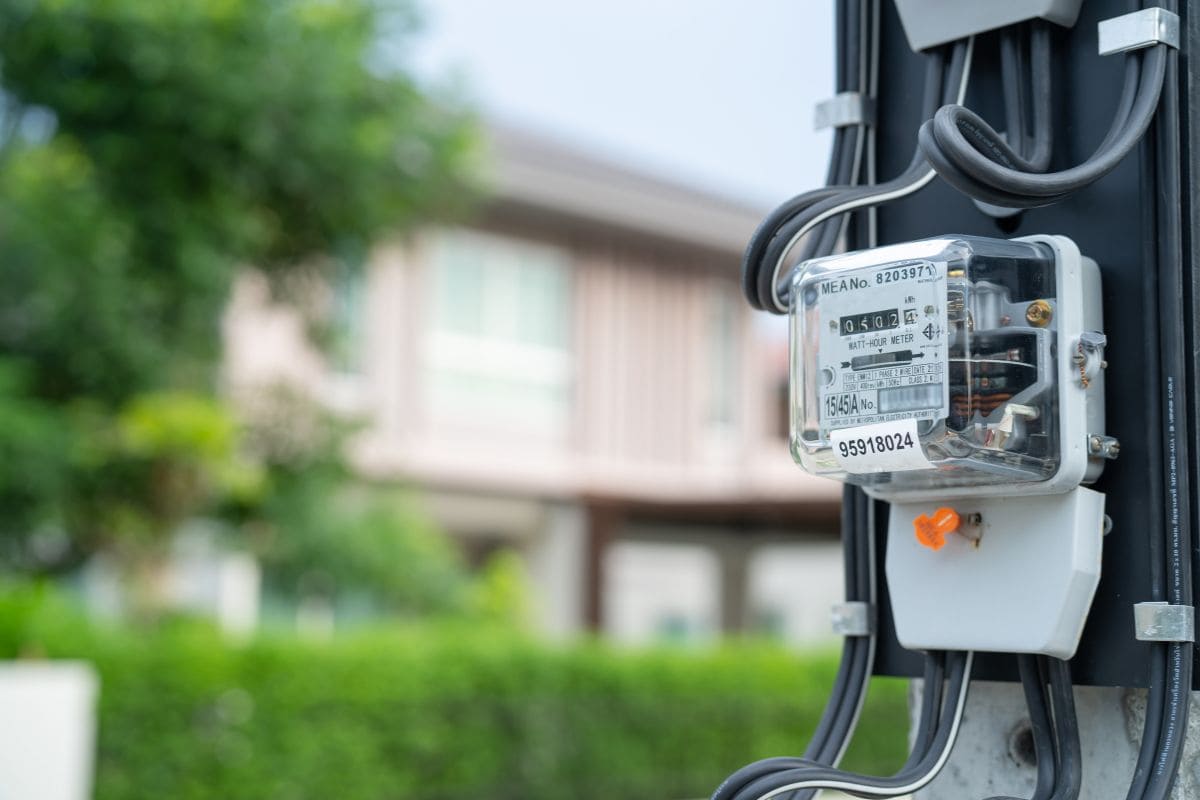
(575, 376)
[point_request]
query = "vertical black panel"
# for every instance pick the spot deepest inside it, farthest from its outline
(1112, 222)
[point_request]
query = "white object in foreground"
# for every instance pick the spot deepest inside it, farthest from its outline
(47, 730)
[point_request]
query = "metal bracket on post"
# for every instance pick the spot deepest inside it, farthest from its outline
(1139, 29)
(845, 108)
(1164, 622)
(853, 619)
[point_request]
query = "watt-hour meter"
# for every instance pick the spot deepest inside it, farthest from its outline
(955, 366)
(962, 379)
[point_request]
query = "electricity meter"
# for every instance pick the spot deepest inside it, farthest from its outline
(962, 379)
(950, 367)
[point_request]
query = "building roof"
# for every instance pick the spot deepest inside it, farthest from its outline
(556, 179)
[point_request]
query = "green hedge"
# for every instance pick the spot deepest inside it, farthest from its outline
(433, 714)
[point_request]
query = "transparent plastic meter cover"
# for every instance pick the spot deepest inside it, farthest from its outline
(928, 364)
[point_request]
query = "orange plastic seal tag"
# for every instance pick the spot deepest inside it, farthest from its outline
(931, 530)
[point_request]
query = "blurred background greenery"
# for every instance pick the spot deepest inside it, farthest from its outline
(149, 152)
(433, 711)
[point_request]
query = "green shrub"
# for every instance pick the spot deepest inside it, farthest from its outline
(438, 714)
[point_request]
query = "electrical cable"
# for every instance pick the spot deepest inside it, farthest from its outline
(1011, 83)
(768, 248)
(859, 138)
(758, 279)
(867, 540)
(872, 93)
(971, 156)
(1041, 83)
(836, 727)
(853, 144)
(851, 700)
(843, 709)
(1037, 703)
(1069, 760)
(1055, 737)
(927, 729)
(858, 36)
(1035, 147)
(848, 140)
(1170, 682)
(834, 187)
(1174, 360)
(840, 717)
(909, 779)
(847, 145)
(852, 645)
(936, 729)
(1045, 744)
(959, 146)
(932, 684)
(1156, 540)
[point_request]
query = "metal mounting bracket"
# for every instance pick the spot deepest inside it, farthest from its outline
(844, 108)
(1164, 622)
(1139, 29)
(853, 618)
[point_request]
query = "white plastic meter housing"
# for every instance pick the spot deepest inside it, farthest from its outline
(950, 367)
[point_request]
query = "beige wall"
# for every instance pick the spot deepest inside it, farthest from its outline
(641, 358)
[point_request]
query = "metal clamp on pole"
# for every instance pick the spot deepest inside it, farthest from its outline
(844, 108)
(1164, 622)
(1144, 28)
(853, 619)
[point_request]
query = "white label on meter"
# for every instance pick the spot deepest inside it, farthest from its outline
(883, 352)
(883, 447)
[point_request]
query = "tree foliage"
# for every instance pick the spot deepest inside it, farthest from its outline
(319, 534)
(149, 151)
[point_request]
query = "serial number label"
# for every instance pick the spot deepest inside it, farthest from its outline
(919, 270)
(882, 447)
(872, 445)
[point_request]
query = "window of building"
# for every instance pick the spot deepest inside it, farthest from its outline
(498, 344)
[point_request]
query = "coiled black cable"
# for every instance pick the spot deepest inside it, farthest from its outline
(1036, 146)
(971, 156)
(762, 272)
(774, 777)
(927, 728)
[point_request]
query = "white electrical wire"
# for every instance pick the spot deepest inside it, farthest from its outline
(868, 200)
(894, 791)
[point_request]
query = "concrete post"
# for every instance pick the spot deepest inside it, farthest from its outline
(734, 560)
(991, 757)
(557, 558)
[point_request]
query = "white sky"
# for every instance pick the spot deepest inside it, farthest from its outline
(715, 93)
